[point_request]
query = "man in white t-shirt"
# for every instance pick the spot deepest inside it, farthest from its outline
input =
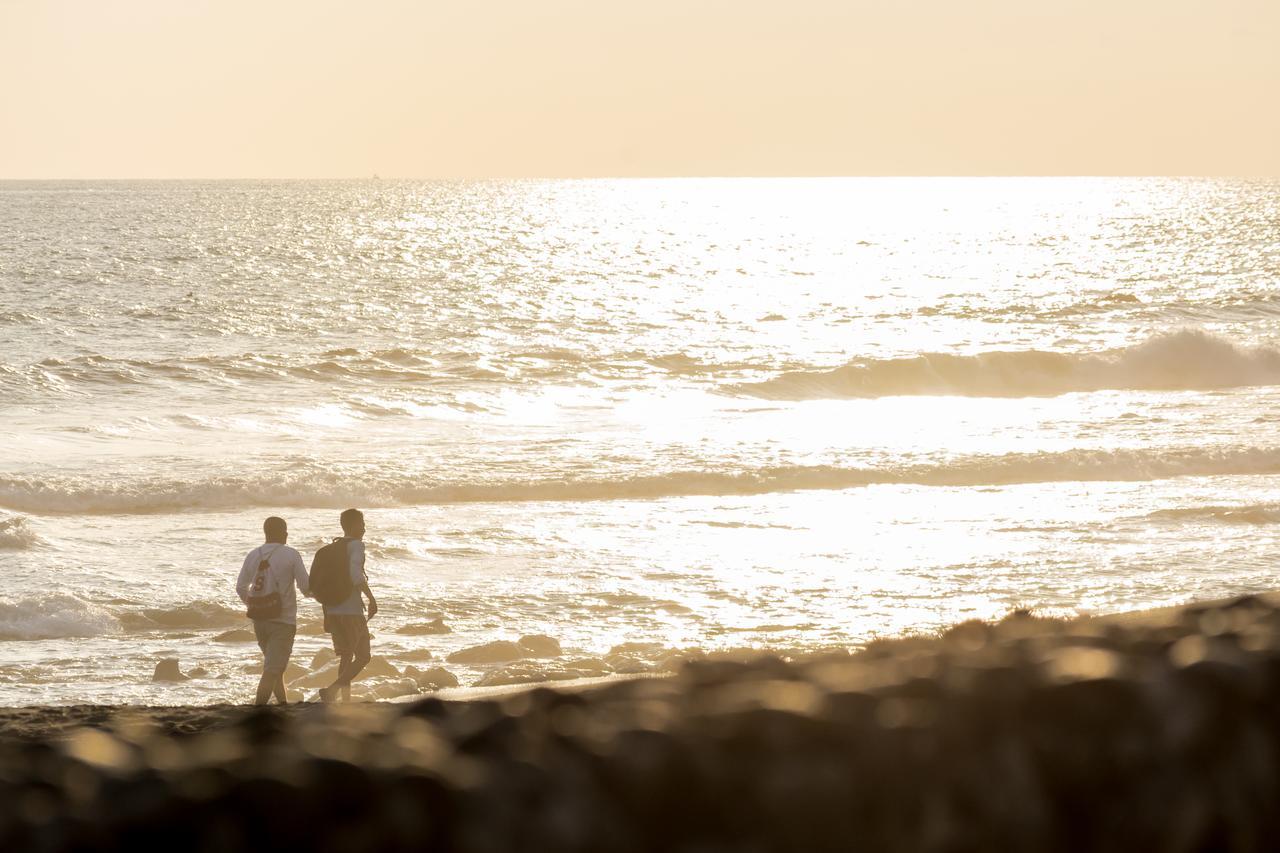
(275, 634)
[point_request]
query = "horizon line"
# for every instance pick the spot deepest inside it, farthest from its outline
(478, 178)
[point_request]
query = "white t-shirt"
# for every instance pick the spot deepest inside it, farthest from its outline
(285, 572)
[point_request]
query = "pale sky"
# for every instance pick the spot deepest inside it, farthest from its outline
(563, 88)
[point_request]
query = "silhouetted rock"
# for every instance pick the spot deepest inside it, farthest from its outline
(167, 670)
(396, 689)
(591, 666)
(672, 662)
(496, 652)
(637, 649)
(435, 678)
(379, 667)
(540, 646)
(236, 635)
(626, 665)
(513, 674)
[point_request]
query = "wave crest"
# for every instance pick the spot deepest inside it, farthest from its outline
(16, 534)
(315, 487)
(196, 615)
(53, 616)
(1187, 360)
(1250, 514)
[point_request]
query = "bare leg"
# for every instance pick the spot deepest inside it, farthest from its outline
(341, 683)
(281, 696)
(265, 685)
(347, 672)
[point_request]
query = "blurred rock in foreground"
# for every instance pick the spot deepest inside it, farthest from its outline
(1153, 734)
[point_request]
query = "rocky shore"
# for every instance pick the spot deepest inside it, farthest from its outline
(1152, 733)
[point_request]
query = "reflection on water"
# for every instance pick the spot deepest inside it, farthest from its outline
(663, 412)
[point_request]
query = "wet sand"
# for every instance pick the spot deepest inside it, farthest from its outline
(1152, 731)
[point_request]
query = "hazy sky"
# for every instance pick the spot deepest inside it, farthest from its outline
(313, 88)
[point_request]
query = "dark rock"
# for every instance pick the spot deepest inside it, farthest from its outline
(379, 667)
(396, 689)
(627, 665)
(540, 646)
(167, 670)
(436, 678)
(495, 652)
(591, 666)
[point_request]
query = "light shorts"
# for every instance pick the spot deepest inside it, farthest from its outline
(350, 634)
(276, 641)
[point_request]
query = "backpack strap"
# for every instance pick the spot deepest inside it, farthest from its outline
(266, 558)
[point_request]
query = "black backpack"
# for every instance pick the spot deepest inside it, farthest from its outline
(330, 576)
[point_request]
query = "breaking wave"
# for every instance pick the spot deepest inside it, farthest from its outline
(314, 487)
(1249, 514)
(16, 534)
(54, 616)
(197, 615)
(1184, 360)
(399, 367)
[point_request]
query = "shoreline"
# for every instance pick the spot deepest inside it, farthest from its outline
(36, 722)
(1029, 733)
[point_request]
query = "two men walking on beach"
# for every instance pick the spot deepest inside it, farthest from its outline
(266, 585)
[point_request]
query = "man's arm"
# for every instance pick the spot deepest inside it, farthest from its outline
(300, 577)
(361, 578)
(246, 577)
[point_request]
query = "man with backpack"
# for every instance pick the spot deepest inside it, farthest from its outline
(338, 580)
(265, 585)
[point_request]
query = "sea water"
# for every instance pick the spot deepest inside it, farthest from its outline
(702, 414)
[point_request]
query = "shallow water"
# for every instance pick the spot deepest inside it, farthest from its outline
(706, 414)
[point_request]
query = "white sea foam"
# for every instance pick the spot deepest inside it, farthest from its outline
(1184, 360)
(202, 615)
(317, 488)
(52, 616)
(16, 534)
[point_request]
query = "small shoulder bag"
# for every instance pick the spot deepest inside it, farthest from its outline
(263, 605)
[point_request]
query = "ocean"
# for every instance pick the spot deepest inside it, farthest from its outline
(689, 414)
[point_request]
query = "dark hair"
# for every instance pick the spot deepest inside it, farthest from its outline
(351, 519)
(275, 529)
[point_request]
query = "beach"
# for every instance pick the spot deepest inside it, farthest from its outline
(1154, 731)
